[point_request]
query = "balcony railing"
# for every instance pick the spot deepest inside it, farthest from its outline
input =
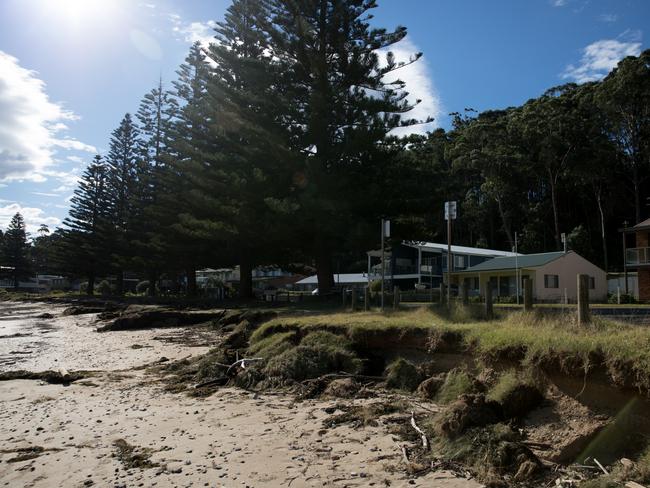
(637, 256)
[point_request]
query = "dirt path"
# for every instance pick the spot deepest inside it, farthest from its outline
(121, 428)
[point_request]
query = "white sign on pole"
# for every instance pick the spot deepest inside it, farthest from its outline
(451, 210)
(387, 228)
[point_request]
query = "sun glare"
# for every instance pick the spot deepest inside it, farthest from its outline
(77, 13)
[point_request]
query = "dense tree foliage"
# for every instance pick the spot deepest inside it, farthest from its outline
(15, 250)
(275, 145)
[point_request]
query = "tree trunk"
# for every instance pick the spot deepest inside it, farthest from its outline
(245, 278)
(324, 269)
(90, 288)
(556, 221)
(119, 283)
(637, 195)
(191, 281)
(153, 280)
(506, 227)
(603, 235)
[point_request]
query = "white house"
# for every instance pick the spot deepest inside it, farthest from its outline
(554, 276)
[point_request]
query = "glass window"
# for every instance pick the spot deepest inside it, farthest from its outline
(592, 283)
(551, 281)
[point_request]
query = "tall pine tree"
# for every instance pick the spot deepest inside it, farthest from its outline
(125, 189)
(342, 111)
(87, 236)
(16, 250)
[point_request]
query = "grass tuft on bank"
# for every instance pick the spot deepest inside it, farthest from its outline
(531, 339)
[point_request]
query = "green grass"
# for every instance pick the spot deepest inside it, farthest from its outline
(529, 338)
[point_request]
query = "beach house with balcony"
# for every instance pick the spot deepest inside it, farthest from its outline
(422, 264)
(638, 257)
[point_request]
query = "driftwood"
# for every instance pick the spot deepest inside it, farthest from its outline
(405, 454)
(633, 484)
(242, 362)
(601, 466)
(425, 441)
(215, 381)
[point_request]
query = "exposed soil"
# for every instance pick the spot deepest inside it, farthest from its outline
(160, 405)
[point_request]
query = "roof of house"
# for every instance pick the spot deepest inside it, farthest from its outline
(338, 278)
(522, 261)
(476, 251)
(645, 224)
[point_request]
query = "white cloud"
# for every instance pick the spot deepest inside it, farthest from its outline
(33, 216)
(195, 31)
(29, 123)
(68, 143)
(558, 3)
(419, 85)
(608, 17)
(599, 58)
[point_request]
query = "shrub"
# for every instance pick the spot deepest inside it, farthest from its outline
(403, 375)
(104, 288)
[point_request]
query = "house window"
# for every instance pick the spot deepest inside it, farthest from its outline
(551, 281)
(592, 283)
(459, 262)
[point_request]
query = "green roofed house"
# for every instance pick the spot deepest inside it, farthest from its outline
(554, 276)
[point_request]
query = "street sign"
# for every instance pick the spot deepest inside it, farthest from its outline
(450, 210)
(387, 228)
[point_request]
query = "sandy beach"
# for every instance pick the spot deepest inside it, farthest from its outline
(121, 428)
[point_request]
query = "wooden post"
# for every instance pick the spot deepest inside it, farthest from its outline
(396, 298)
(464, 293)
(618, 295)
(528, 295)
(343, 298)
(442, 294)
(366, 298)
(488, 300)
(354, 299)
(583, 299)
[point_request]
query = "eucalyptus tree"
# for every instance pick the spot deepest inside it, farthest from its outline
(624, 96)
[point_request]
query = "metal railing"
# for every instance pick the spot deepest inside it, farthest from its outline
(637, 255)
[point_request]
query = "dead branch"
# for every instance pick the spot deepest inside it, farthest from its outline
(425, 441)
(242, 362)
(405, 454)
(601, 466)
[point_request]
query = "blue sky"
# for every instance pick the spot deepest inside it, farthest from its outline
(70, 69)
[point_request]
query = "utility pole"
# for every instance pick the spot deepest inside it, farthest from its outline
(625, 257)
(450, 213)
(516, 270)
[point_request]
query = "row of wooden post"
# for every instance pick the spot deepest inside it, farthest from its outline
(583, 298)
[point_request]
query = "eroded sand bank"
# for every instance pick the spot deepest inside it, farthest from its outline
(121, 428)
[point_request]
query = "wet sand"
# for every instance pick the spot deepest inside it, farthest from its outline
(233, 438)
